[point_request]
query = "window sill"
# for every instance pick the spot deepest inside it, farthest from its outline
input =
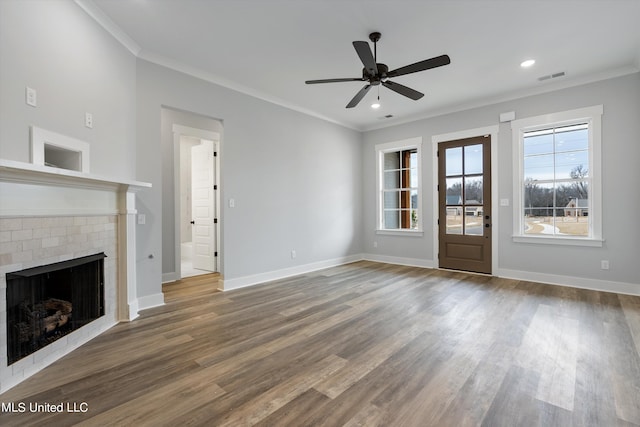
(562, 241)
(410, 233)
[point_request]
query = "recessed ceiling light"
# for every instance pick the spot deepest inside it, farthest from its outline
(375, 105)
(527, 63)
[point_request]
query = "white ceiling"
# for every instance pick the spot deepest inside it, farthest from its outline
(268, 48)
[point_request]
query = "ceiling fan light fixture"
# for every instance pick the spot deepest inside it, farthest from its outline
(528, 63)
(376, 103)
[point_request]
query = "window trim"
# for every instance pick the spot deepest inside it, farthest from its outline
(591, 115)
(389, 147)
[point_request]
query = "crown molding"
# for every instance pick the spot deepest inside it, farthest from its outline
(231, 85)
(111, 27)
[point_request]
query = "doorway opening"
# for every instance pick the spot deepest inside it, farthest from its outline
(197, 201)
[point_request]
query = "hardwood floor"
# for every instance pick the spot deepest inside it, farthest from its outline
(365, 344)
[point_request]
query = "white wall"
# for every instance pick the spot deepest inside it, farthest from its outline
(621, 151)
(296, 180)
(76, 67)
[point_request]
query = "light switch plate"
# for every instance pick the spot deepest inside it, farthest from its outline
(88, 120)
(31, 96)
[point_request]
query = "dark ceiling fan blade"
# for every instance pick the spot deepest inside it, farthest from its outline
(364, 52)
(403, 90)
(356, 99)
(427, 64)
(355, 79)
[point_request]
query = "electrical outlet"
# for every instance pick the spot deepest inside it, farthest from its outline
(604, 264)
(293, 254)
(142, 219)
(375, 244)
(31, 97)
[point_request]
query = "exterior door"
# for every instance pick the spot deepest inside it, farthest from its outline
(464, 193)
(203, 206)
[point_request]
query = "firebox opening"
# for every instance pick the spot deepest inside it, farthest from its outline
(46, 303)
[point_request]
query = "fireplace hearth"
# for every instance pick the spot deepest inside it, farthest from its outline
(46, 303)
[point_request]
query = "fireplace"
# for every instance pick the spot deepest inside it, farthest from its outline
(48, 302)
(49, 216)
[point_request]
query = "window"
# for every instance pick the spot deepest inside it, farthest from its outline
(557, 193)
(399, 199)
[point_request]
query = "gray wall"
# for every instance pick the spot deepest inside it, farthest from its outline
(620, 154)
(296, 180)
(76, 67)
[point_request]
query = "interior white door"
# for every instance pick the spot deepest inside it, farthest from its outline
(203, 206)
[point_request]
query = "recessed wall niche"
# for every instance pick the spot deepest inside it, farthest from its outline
(58, 151)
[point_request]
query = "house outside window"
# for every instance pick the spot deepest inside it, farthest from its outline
(557, 196)
(398, 184)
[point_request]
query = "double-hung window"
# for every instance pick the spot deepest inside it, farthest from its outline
(557, 192)
(398, 185)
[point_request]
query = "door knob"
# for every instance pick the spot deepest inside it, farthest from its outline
(193, 222)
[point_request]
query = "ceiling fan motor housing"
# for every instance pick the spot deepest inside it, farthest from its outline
(380, 76)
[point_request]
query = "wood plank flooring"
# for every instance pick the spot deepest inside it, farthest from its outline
(365, 344)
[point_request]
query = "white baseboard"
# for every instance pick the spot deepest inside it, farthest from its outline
(133, 310)
(169, 277)
(572, 282)
(411, 262)
(150, 301)
(255, 279)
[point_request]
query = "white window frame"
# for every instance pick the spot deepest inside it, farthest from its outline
(592, 116)
(390, 147)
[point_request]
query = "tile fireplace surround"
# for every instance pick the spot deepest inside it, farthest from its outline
(49, 215)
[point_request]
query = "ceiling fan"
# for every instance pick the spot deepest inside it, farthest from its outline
(377, 74)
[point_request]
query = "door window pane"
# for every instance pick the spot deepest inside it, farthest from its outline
(454, 191)
(473, 190)
(473, 225)
(453, 161)
(473, 159)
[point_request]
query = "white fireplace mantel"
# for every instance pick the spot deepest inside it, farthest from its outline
(29, 173)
